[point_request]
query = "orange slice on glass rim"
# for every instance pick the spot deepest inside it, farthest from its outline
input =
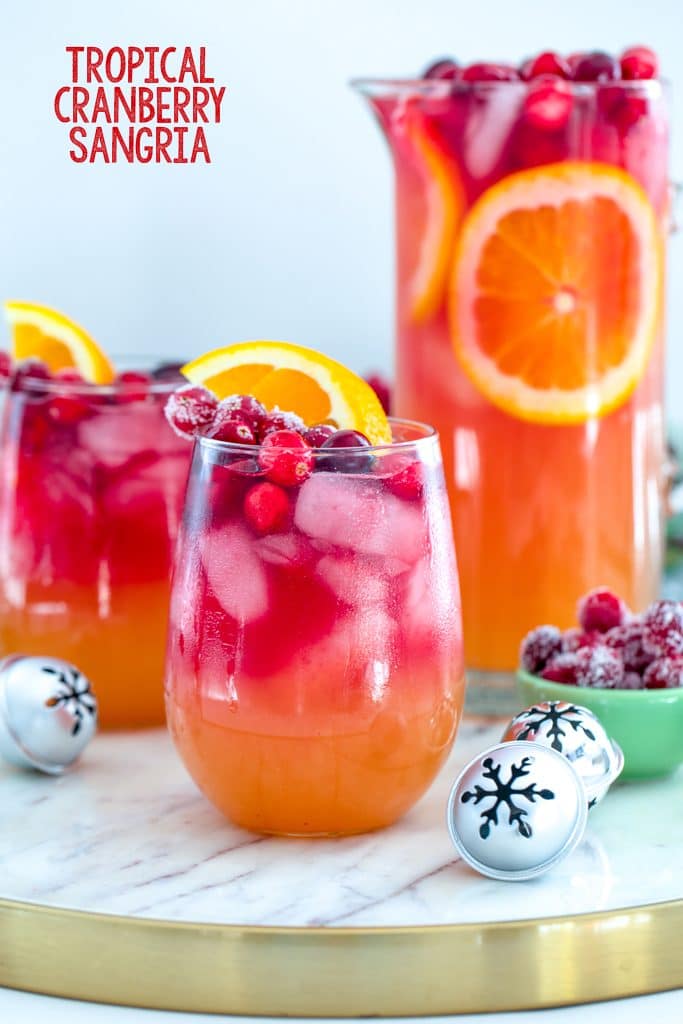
(39, 332)
(294, 379)
(439, 206)
(555, 294)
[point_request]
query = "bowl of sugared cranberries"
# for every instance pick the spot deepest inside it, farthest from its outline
(626, 667)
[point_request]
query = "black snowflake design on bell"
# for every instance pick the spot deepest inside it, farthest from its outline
(503, 793)
(554, 714)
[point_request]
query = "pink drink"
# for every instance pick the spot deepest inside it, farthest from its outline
(314, 674)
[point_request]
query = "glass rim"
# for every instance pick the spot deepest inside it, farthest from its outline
(83, 389)
(427, 433)
(371, 85)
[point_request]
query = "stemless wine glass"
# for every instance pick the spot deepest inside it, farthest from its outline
(314, 677)
(91, 487)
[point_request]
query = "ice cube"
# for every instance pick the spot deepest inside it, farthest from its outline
(352, 581)
(235, 572)
(361, 516)
(288, 549)
(492, 116)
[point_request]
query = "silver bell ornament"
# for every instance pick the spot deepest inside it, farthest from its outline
(48, 712)
(516, 810)
(577, 733)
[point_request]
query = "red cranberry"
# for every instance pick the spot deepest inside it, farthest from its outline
(598, 667)
(266, 508)
(664, 674)
(277, 420)
(622, 106)
(68, 409)
(353, 461)
(490, 73)
(639, 62)
(5, 365)
(407, 483)
(445, 70)
(69, 375)
(629, 643)
(548, 103)
(573, 59)
(600, 610)
(28, 371)
(562, 669)
(663, 629)
(168, 372)
(286, 458)
(248, 406)
(574, 639)
(547, 63)
(132, 386)
(539, 647)
(382, 389)
(190, 409)
(317, 435)
(596, 67)
(231, 427)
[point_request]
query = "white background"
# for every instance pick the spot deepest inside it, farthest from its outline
(289, 232)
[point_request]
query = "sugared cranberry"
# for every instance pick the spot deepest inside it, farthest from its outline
(600, 610)
(664, 674)
(445, 69)
(663, 629)
(5, 365)
(598, 667)
(629, 643)
(248, 406)
(639, 62)
(407, 483)
(132, 386)
(547, 63)
(548, 103)
(575, 639)
(562, 669)
(489, 73)
(232, 427)
(351, 461)
(380, 385)
(278, 420)
(539, 647)
(631, 681)
(596, 67)
(318, 434)
(190, 409)
(266, 508)
(286, 458)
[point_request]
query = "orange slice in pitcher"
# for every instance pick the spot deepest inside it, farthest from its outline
(39, 332)
(435, 220)
(556, 291)
(295, 379)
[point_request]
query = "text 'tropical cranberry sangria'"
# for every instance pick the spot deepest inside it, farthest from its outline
(532, 205)
(315, 669)
(91, 487)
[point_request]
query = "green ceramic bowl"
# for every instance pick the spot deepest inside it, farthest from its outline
(647, 724)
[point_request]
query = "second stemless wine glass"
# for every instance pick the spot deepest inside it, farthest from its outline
(314, 678)
(90, 501)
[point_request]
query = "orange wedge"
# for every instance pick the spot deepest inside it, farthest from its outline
(435, 223)
(39, 332)
(556, 290)
(294, 379)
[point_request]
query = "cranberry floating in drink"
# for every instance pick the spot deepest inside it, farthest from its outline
(314, 675)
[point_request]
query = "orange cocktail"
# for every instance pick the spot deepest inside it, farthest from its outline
(531, 214)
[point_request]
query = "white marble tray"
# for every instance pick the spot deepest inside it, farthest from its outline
(128, 834)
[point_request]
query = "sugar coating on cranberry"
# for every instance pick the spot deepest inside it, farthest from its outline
(286, 458)
(248, 406)
(600, 610)
(562, 669)
(664, 674)
(190, 409)
(663, 628)
(539, 647)
(631, 681)
(599, 667)
(266, 508)
(445, 69)
(231, 427)
(596, 67)
(318, 434)
(548, 103)
(629, 643)
(408, 483)
(279, 420)
(574, 639)
(639, 62)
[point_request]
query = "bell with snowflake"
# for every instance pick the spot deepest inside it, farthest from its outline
(48, 712)
(577, 733)
(516, 810)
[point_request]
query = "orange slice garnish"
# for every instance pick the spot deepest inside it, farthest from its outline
(294, 379)
(39, 332)
(556, 291)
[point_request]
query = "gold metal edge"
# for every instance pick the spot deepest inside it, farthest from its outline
(341, 972)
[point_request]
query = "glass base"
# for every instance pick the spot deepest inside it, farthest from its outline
(491, 694)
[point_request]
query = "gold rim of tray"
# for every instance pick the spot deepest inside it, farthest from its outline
(341, 972)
